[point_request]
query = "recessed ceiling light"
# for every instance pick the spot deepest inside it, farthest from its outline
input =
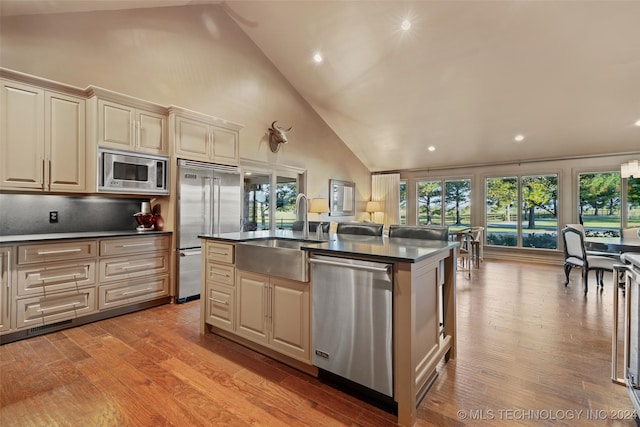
(431, 148)
(406, 24)
(638, 123)
(519, 138)
(317, 57)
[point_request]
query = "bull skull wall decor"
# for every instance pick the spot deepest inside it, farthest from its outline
(277, 136)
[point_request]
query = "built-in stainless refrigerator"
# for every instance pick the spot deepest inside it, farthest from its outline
(209, 202)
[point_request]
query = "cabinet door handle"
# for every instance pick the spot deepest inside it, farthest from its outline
(129, 267)
(139, 291)
(139, 135)
(217, 273)
(73, 304)
(8, 278)
(61, 251)
(133, 245)
(64, 276)
(43, 185)
(219, 301)
(225, 253)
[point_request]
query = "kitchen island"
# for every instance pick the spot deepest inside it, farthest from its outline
(424, 311)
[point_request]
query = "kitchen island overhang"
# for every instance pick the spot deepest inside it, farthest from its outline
(424, 302)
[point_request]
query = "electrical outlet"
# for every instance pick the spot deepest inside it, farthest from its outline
(53, 216)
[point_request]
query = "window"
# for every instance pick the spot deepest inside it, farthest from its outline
(539, 223)
(633, 202)
(403, 202)
(451, 208)
(286, 193)
(429, 202)
(257, 192)
(600, 203)
(501, 215)
(536, 224)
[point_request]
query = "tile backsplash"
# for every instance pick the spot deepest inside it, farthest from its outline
(29, 213)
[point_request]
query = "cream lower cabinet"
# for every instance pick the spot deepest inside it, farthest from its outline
(55, 282)
(219, 296)
(274, 312)
(6, 283)
(42, 139)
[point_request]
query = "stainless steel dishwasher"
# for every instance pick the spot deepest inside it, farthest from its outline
(352, 320)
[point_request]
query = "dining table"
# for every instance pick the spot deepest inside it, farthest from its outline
(617, 245)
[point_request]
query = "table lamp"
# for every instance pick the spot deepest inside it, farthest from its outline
(373, 207)
(319, 206)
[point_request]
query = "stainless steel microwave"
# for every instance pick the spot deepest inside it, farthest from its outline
(132, 173)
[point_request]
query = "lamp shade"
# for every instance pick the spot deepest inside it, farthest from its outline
(373, 206)
(319, 206)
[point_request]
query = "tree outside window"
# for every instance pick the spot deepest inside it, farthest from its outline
(403, 202)
(600, 202)
(539, 224)
(458, 204)
(501, 214)
(429, 202)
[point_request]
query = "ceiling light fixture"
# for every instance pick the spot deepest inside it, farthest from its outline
(406, 24)
(317, 57)
(431, 148)
(519, 138)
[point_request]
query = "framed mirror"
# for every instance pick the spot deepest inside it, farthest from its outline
(342, 198)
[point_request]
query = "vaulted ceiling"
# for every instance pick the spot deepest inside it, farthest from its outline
(465, 78)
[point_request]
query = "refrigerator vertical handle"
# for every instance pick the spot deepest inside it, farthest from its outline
(216, 183)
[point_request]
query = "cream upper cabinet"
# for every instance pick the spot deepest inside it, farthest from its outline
(200, 137)
(42, 141)
(126, 123)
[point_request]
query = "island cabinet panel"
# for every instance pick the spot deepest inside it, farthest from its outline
(252, 307)
(6, 286)
(274, 312)
(219, 279)
(290, 318)
(220, 303)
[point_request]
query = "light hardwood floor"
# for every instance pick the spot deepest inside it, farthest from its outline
(530, 352)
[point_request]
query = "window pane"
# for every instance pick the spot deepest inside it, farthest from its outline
(600, 203)
(540, 211)
(403, 202)
(256, 202)
(457, 204)
(429, 202)
(286, 193)
(633, 202)
(502, 199)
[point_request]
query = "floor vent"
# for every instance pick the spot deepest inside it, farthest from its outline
(38, 329)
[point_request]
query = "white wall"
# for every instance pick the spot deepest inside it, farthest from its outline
(194, 57)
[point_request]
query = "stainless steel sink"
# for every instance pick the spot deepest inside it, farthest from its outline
(275, 257)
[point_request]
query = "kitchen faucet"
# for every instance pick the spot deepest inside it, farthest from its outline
(305, 229)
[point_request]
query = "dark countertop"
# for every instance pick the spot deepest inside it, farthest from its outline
(381, 248)
(631, 258)
(22, 238)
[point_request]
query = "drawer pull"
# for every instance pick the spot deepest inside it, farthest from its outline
(133, 245)
(58, 307)
(64, 276)
(219, 301)
(129, 267)
(219, 252)
(61, 251)
(217, 273)
(139, 291)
